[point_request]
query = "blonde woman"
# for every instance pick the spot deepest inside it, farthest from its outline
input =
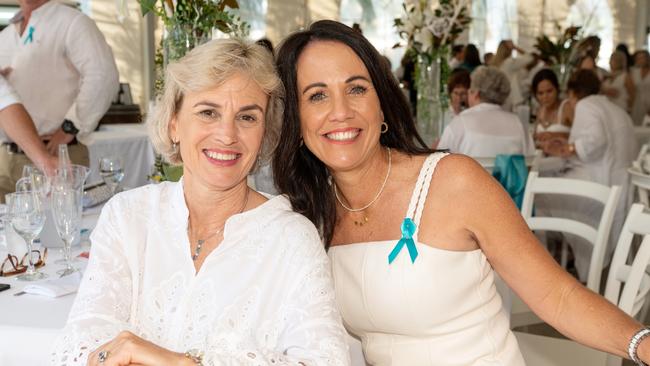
(207, 271)
(515, 68)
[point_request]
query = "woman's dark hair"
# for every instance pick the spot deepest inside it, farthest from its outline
(584, 83)
(545, 74)
(300, 174)
(472, 56)
(458, 77)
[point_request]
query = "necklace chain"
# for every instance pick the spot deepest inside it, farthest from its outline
(200, 242)
(383, 185)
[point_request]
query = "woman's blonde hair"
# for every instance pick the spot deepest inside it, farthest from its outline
(208, 66)
(503, 52)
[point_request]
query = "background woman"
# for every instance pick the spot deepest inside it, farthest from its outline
(641, 78)
(618, 86)
(554, 116)
(515, 68)
(352, 162)
(207, 271)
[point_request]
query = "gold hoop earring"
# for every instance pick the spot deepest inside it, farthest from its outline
(384, 127)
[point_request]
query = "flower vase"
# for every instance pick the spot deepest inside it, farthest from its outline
(180, 39)
(429, 103)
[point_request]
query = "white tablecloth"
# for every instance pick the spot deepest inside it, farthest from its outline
(131, 143)
(30, 323)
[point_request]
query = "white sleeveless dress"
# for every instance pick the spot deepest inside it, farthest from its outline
(557, 126)
(441, 310)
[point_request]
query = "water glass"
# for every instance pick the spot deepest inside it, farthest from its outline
(27, 219)
(66, 210)
(112, 172)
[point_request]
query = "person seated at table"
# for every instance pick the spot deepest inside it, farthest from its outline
(205, 270)
(485, 129)
(457, 87)
(554, 115)
(600, 148)
(415, 237)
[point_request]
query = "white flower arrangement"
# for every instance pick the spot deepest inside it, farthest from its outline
(427, 28)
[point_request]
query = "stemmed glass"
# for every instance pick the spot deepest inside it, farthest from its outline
(111, 171)
(27, 219)
(66, 210)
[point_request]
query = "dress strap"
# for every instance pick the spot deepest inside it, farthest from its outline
(560, 110)
(421, 189)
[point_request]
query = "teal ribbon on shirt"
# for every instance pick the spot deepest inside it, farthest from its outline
(30, 35)
(408, 230)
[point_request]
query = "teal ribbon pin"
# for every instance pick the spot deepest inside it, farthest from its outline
(408, 230)
(30, 35)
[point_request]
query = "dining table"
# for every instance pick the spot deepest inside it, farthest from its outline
(30, 324)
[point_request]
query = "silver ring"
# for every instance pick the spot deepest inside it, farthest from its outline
(102, 356)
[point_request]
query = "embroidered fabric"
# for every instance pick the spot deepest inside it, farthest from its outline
(263, 297)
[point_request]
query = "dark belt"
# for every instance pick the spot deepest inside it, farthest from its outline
(13, 147)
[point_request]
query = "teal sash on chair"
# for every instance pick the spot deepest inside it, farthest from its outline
(511, 172)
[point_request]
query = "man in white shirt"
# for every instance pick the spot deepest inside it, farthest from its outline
(485, 130)
(600, 148)
(64, 73)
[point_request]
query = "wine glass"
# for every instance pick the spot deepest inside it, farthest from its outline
(110, 169)
(27, 219)
(66, 210)
(70, 177)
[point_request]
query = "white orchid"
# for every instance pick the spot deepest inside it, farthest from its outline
(425, 39)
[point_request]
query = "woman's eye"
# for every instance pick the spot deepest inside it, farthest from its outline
(209, 113)
(358, 90)
(317, 97)
(248, 118)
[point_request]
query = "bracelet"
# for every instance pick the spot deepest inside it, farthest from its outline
(634, 345)
(195, 355)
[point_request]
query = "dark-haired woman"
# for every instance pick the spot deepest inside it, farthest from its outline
(554, 116)
(471, 58)
(413, 235)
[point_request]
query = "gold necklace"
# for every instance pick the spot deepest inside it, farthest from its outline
(364, 219)
(200, 242)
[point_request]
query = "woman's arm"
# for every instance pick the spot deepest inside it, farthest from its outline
(514, 252)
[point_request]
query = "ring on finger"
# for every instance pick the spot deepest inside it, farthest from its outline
(102, 356)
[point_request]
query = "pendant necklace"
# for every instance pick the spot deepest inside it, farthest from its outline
(364, 219)
(200, 242)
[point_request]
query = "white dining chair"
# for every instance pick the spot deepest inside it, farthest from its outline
(628, 285)
(597, 236)
(532, 161)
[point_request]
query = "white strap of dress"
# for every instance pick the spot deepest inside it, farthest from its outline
(418, 186)
(429, 167)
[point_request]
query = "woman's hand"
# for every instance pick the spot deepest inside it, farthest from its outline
(128, 349)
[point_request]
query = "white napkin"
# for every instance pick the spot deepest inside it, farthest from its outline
(56, 287)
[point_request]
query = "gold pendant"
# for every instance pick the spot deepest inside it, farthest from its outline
(361, 222)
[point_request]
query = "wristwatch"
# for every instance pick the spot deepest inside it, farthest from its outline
(69, 127)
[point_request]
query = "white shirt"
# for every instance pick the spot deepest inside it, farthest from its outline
(65, 70)
(604, 139)
(7, 94)
(263, 296)
(486, 130)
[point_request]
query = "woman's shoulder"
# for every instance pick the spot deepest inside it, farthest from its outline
(143, 201)
(278, 223)
(277, 214)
